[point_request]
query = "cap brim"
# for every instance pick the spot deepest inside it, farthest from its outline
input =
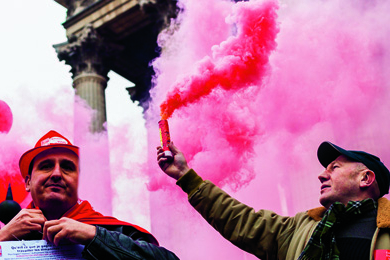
(328, 152)
(27, 157)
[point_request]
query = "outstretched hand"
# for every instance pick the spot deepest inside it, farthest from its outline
(174, 168)
(68, 230)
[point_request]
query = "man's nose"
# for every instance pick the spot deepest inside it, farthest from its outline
(56, 173)
(323, 176)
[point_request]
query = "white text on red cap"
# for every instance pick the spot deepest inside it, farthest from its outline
(53, 140)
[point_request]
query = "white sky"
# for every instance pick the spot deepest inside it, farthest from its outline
(28, 30)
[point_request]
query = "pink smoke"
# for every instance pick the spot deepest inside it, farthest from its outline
(238, 64)
(30, 122)
(38, 88)
(239, 61)
(34, 116)
(327, 81)
(9, 169)
(5, 117)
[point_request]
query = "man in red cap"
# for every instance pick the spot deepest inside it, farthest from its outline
(56, 214)
(354, 222)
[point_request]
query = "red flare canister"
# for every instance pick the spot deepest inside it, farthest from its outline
(165, 138)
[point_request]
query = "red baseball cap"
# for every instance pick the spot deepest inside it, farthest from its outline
(50, 140)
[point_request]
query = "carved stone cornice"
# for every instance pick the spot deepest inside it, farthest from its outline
(76, 6)
(165, 9)
(96, 28)
(86, 53)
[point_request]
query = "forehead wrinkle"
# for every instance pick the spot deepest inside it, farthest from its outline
(66, 160)
(343, 159)
(330, 165)
(45, 161)
(339, 160)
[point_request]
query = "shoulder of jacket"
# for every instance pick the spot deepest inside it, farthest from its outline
(316, 213)
(383, 217)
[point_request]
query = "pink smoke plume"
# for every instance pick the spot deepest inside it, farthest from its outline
(5, 117)
(51, 112)
(328, 80)
(236, 63)
(32, 116)
(240, 63)
(43, 102)
(9, 170)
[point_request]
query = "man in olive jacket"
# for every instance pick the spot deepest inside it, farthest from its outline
(353, 223)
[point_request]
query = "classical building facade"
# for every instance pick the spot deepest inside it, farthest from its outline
(117, 35)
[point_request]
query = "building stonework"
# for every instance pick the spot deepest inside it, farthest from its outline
(105, 35)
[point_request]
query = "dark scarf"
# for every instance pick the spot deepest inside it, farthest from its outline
(322, 244)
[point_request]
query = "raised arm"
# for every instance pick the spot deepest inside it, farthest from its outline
(261, 233)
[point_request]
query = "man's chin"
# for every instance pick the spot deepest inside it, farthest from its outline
(55, 198)
(325, 201)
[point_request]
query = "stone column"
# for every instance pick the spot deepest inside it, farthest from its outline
(91, 87)
(87, 54)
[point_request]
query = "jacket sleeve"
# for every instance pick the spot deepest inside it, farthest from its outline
(262, 233)
(116, 245)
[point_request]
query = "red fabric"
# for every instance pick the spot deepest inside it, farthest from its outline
(83, 212)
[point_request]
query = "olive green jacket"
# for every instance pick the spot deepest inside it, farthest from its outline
(264, 233)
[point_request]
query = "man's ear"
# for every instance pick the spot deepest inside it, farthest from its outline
(27, 182)
(367, 178)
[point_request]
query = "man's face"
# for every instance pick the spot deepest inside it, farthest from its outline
(54, 179)
(340, 182)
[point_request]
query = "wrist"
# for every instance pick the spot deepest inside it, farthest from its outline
(190, 182)
(91, 233)
(4, 236)
(182, 172)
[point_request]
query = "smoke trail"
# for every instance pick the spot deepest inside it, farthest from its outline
(224, 126)
(236, 63)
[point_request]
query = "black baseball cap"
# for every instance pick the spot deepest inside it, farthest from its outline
(328, 152)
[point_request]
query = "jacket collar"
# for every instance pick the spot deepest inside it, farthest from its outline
(382, 219)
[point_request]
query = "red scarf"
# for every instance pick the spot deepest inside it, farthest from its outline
(83, 212)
